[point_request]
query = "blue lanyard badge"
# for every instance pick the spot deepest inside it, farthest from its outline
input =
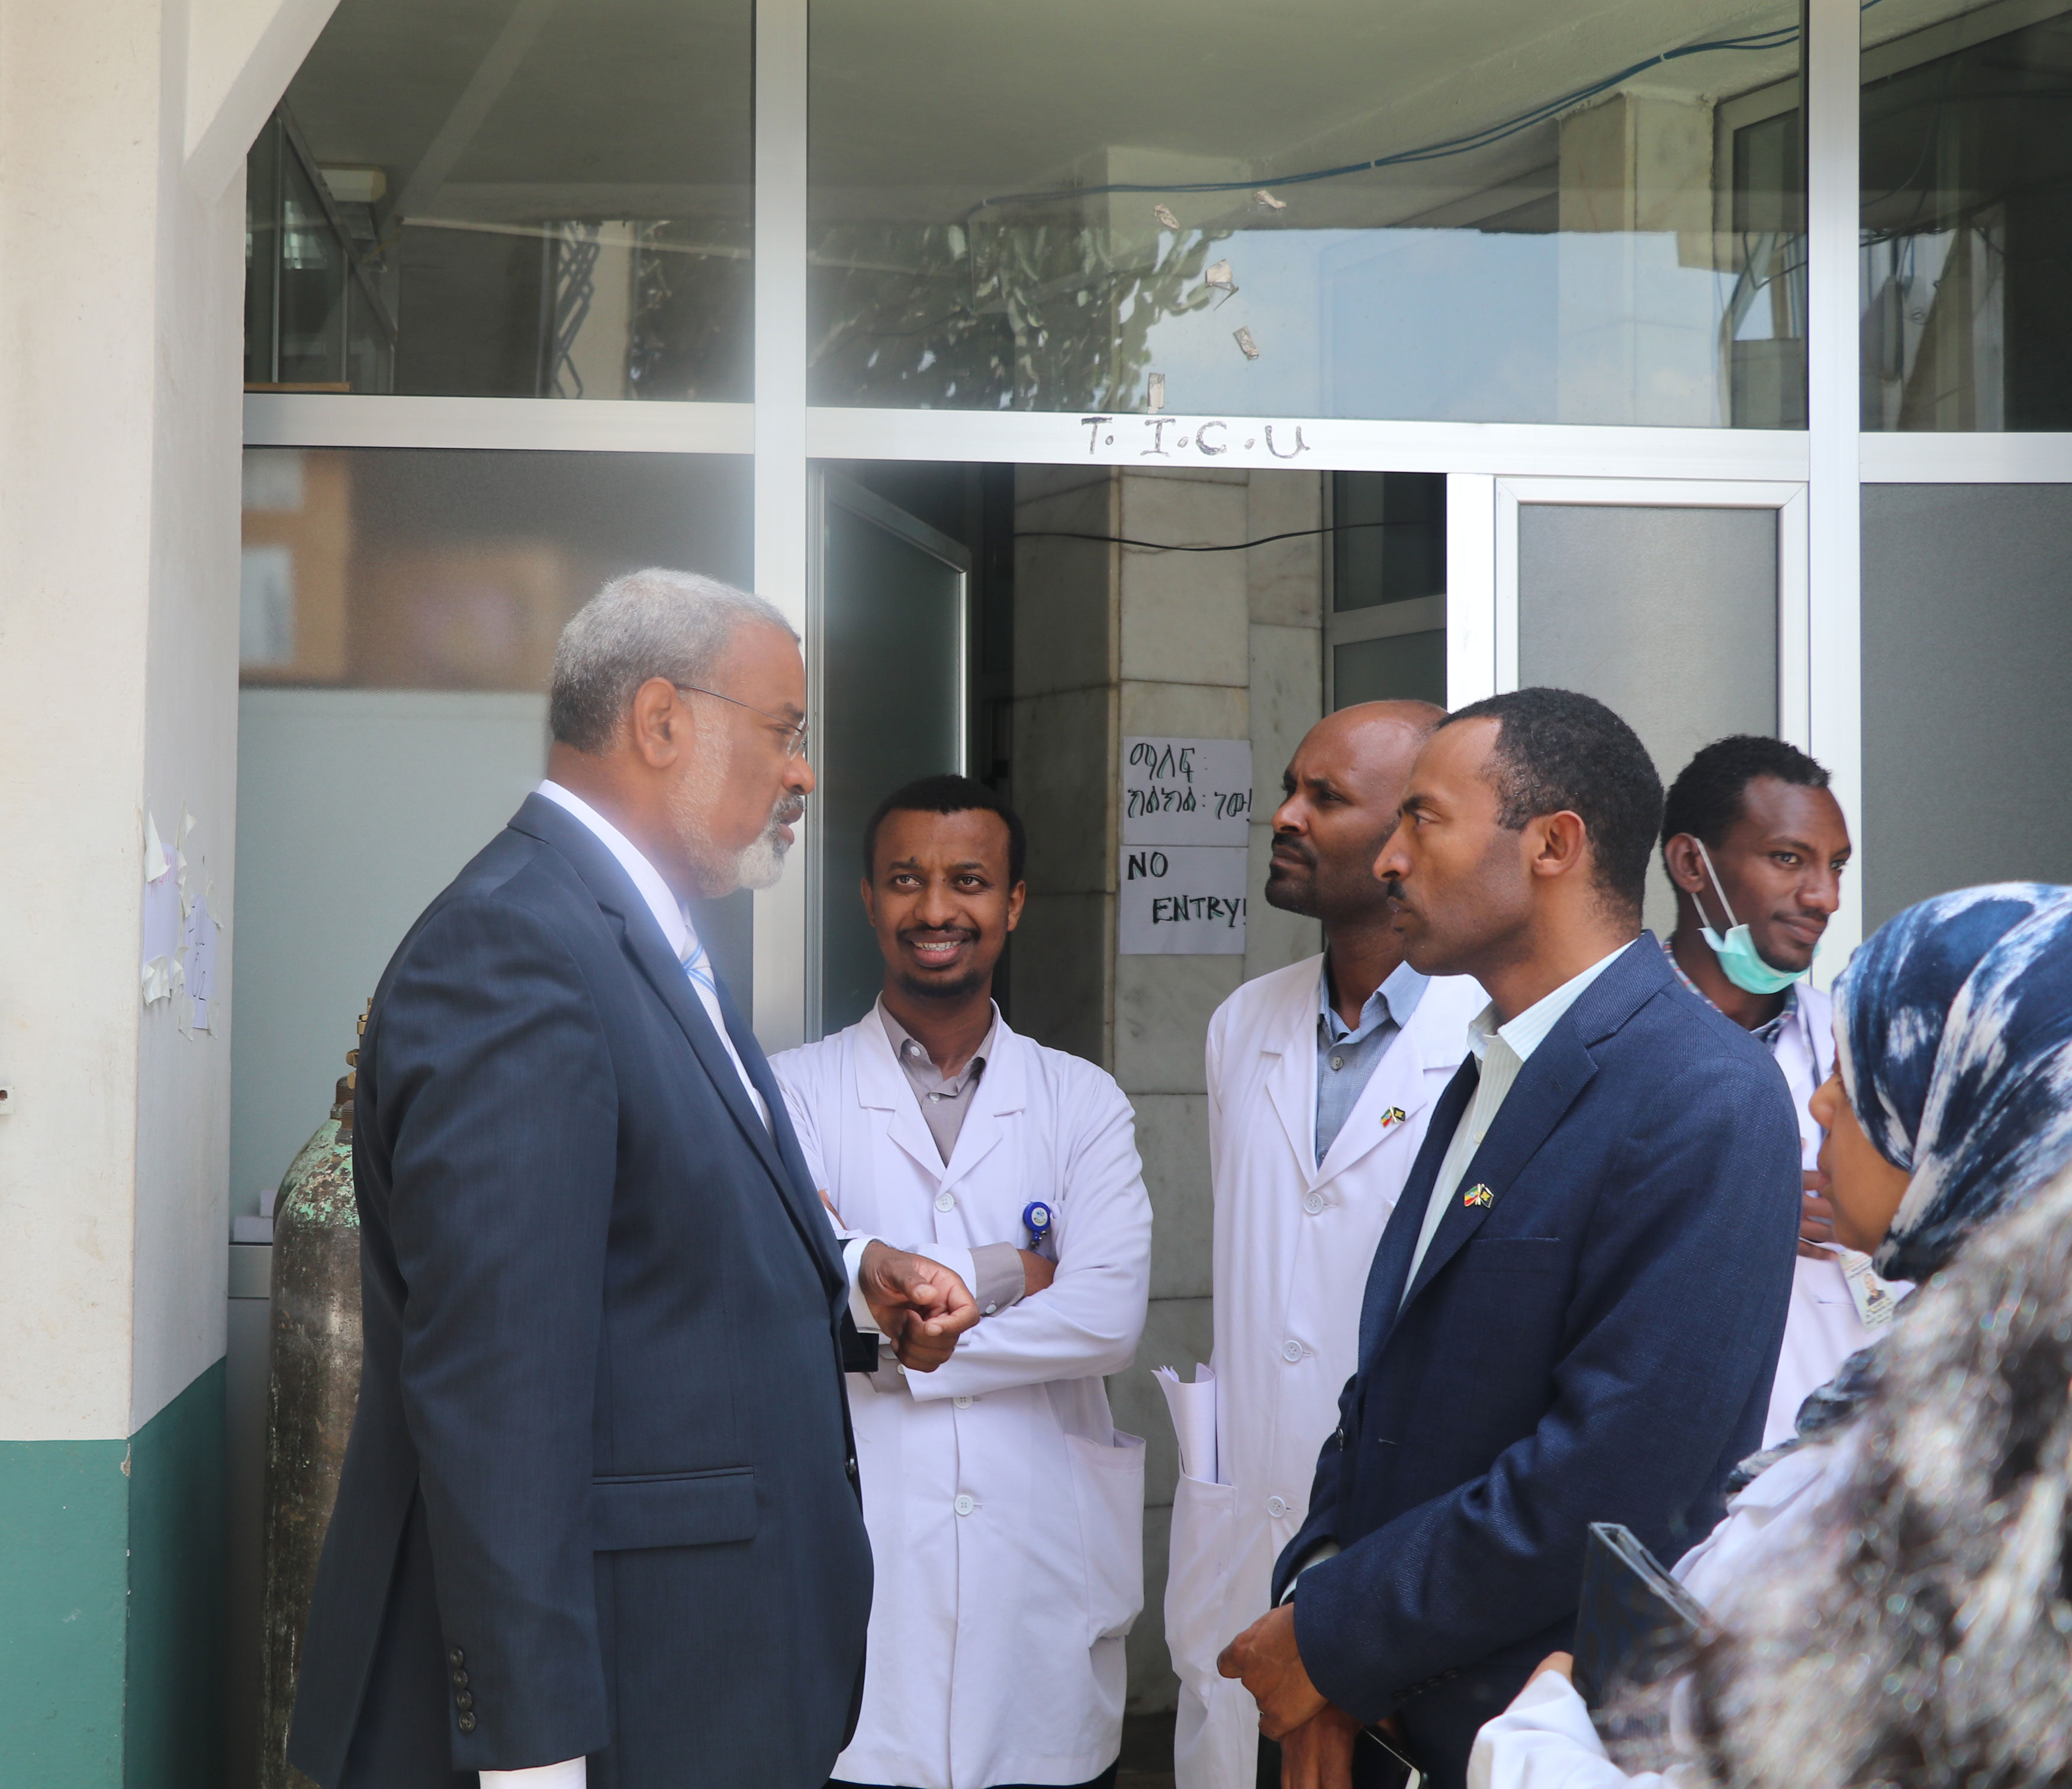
(1038, 1217)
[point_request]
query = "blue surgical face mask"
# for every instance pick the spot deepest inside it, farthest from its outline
(1740, 961)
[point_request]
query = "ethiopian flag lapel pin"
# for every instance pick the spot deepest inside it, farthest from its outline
(1478, 1195)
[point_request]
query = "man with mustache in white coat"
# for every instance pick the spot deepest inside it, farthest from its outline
(1320, 1079)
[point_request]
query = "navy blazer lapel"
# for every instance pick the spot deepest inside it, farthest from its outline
(1399, 1236)
(1545, 1088)
(614, 891)
(1548, 1085)
(801, 1198)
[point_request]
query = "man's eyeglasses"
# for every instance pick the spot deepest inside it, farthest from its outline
(794, 731)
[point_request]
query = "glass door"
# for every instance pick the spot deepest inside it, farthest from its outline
(1681, 604)
(889, 672)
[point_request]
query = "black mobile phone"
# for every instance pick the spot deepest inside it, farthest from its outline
(1393, 1769)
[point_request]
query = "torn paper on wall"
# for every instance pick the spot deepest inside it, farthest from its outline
(1154, 392)
(162, 974)
(1218, 277)
(1165, 217)
(197, 942)
(1246, 345)
(1269, 201)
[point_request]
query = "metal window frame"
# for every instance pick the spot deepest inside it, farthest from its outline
(825, 489)
(1827, 462)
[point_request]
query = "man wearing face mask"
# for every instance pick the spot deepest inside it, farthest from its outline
(1754, 843)
(1005, 1512)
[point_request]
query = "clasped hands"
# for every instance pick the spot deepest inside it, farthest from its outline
(922, 1306)
(1315, 1735)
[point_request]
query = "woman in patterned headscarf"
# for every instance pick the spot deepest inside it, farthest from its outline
(1893, 1590)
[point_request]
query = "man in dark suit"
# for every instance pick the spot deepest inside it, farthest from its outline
(598, 1521)
(1575, 1309)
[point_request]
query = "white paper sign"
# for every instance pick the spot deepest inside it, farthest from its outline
(197, 942)
(1186, 791)
(1182, 900)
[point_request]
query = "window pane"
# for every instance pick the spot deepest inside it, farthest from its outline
(550, 200)
(401, 611)
(1964, 614)
(1399, 667)
(1967, 217)
(1667, 615)
(1388, 537)
(1489, 212)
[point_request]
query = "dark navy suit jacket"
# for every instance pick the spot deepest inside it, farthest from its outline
(600, 1498)
(1593, 1344)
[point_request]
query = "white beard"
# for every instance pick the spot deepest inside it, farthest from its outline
(761, 864)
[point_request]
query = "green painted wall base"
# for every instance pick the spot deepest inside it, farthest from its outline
(111, 1581)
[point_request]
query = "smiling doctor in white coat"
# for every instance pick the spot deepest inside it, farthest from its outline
(1322, 1077)
(1005, 1512)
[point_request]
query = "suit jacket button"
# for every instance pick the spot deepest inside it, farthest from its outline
(849, 1467)
(460, 1679)
(463, 1698)
(467, 1723)
(457, 1656)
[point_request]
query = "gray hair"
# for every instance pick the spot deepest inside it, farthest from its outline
(651, 624)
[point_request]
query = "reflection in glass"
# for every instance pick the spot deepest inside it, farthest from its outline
(1488, 211)
(551, 198)
(409, 569)
(1388, 537)
(401, 608)
(1966, 215)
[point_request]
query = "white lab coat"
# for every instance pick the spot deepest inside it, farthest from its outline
(1823, 1329)
(1294, 1243)
(1005, 1512)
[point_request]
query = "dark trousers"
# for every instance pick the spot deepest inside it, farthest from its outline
(1105, 1780)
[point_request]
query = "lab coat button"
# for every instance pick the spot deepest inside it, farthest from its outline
(946, 1202)
(965, 1505)
(961, 1401)
(1314, 1204)
(1277, 1507)
(1291, 1350)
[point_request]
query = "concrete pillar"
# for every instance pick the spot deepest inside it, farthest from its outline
(1112, 642)
(122, 130)
(1636, 216)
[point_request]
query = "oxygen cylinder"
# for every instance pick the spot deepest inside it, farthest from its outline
(313, 1389)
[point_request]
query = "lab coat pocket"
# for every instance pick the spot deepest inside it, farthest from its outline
(1198, 1570)
(1108, 1484)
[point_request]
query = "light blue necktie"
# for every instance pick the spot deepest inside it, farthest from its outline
(698, 967)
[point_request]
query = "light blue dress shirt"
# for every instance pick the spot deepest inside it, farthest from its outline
(1346, 1055)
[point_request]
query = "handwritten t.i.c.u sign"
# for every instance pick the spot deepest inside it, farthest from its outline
(1168, 437)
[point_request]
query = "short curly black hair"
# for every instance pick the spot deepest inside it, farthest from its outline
(1559, 749)
(947, 795)
(1705, 799)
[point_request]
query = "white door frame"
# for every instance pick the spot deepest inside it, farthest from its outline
(1482, 608)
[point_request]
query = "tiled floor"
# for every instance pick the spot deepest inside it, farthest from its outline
(1147, 1753)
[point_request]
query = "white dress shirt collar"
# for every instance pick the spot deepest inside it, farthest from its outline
(1526, 1032)
(661, 899)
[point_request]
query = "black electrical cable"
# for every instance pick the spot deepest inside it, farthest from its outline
(1233, 546)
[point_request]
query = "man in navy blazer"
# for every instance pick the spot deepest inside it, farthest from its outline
(598, 1521)
(1575, 1309)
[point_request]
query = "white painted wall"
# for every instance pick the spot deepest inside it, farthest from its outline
(121, 309)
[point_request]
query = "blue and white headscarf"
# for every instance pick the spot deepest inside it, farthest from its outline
(1953, 1024)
